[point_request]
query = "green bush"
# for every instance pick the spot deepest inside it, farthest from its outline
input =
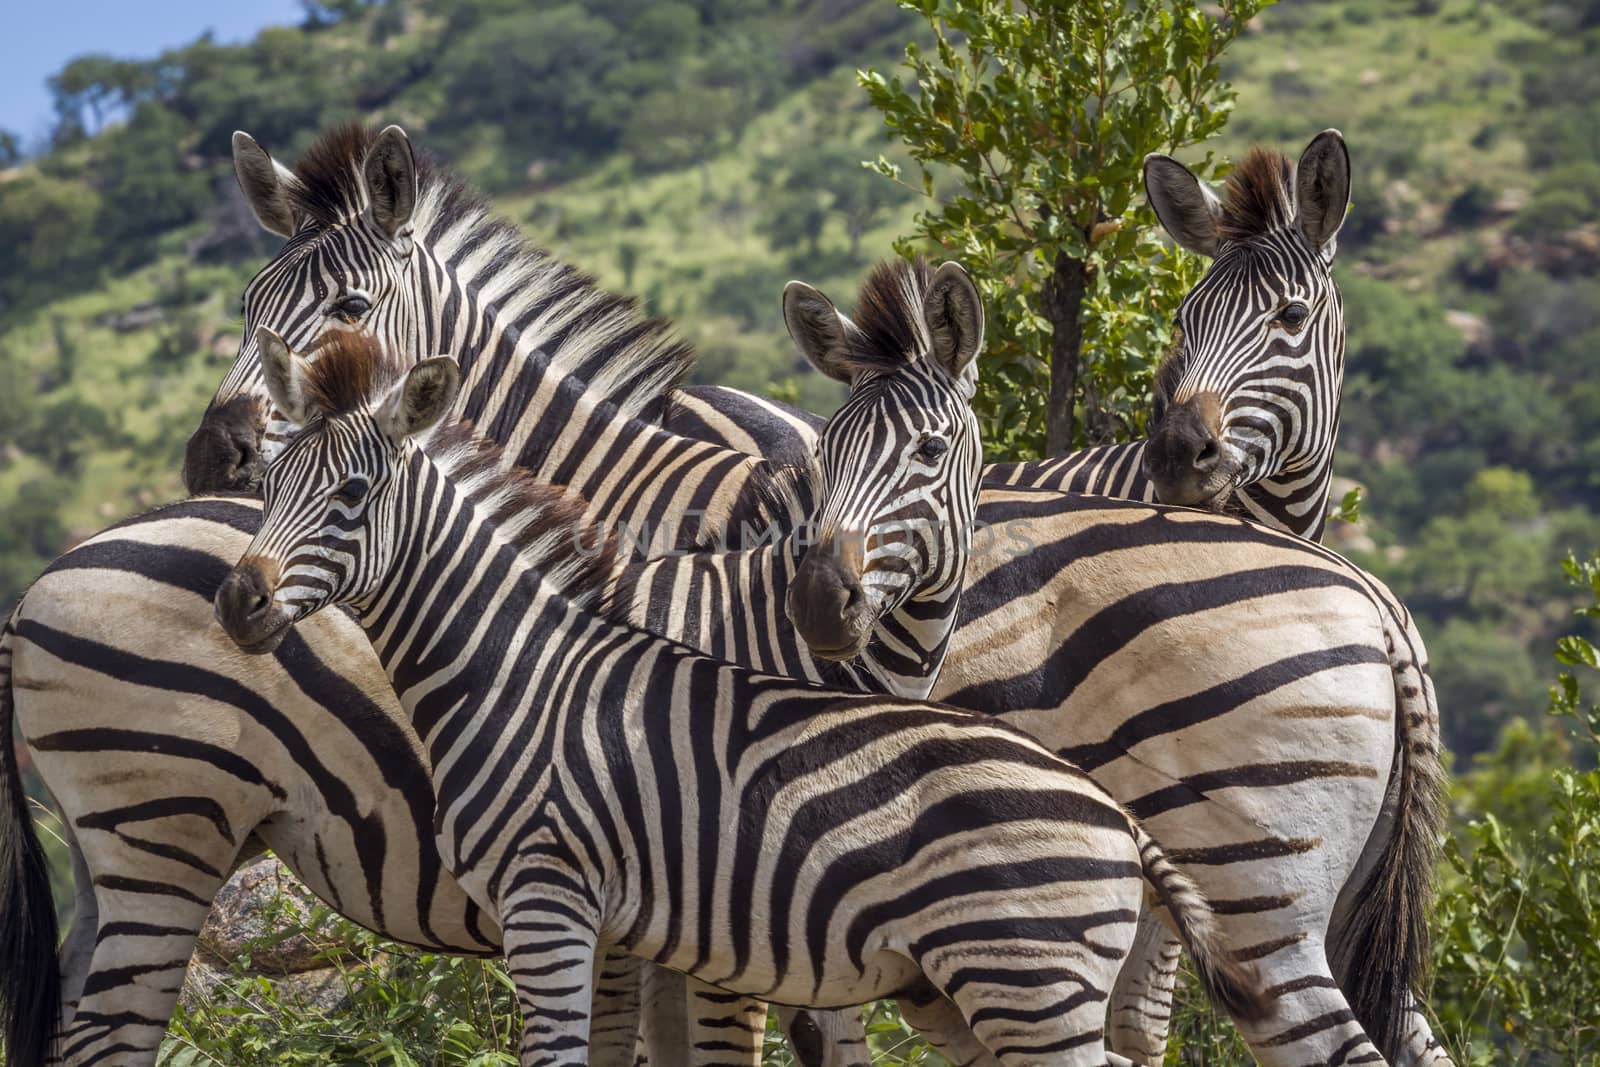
(1551, 213)
(394, 1006)
(1518, 956)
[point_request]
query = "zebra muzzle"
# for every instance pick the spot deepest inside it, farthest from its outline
(245, 607)
(1185, 457)
(828, 606)
(223, 455)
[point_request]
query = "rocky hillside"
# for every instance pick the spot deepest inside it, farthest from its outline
(698, 154)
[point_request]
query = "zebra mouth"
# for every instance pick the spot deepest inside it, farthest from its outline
(837, 655)
(1209, 493)
(263, 643)
(245, 608)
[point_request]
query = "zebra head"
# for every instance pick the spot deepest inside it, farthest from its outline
(899, 462)
(332, 497)
(349, 262)
(1250, 396)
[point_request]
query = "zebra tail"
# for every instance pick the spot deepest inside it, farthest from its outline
(30, 973)
(1381, 954)
(1231, 984)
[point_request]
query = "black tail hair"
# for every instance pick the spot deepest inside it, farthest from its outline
(30, 972)
(1232, 985)
(1382, 953)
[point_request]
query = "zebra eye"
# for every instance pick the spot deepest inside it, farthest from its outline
(352, 491)
(933, 448)
(352, 306)
(1294, 314)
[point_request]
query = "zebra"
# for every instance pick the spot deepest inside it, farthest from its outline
(378, 237)
(998, 590)
(587, 772)
(873, 578)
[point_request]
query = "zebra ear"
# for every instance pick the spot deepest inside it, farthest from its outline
(284, 374)
(1188, 211)
(1322, 191)
(391, 175)
(953, 310)
(421, 399)
(265, 184)
(818, 330)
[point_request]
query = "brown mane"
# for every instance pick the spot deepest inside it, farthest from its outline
(330, 189)
(348, 369)
(889, 329)
(604, 340)
(545, 523)
(1259, 197)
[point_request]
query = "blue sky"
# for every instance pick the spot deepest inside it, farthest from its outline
(39, 37)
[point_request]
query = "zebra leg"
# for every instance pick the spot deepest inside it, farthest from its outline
(1312, 1022)
(1141, 1001)
(942, 1026)
(725, 1029)
(615, 1023)
(151, 869)
(77, 951)
(550, 947)
(663, 1020)
(1040, 1009)
(143, 940)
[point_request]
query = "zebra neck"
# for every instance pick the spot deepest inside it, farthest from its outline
(564, 428)
(1105, 470)
(1294, 504)
(465, 620)
(910, 643)
(731, 605)
(633, 474)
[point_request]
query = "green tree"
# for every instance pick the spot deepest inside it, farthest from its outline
(680, 126)
(541, 76)
(48, 238)
(67, 430)
(1485, 555)
(92, 89)
(1045, 112)
(804, 191)
(146, 187)
(11, 152)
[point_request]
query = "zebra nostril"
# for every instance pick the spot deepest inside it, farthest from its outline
(259, 604)
(853, 597)
(1208, 456)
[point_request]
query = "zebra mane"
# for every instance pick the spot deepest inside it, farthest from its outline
(597, 337)
(1259, 196)
(547, 525)
(773, 492)
(890, 331)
